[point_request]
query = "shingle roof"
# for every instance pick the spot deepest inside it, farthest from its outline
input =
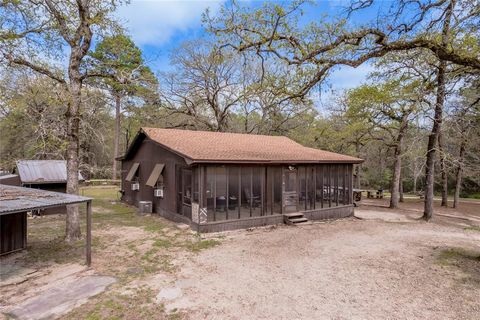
(207, 146)
(43, 171)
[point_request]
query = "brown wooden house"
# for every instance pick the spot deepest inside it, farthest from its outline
(220, 181)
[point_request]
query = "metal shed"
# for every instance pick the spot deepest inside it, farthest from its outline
(15, 202)
(48, 175)
(43, 171)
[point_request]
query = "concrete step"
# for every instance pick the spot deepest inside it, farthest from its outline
(298, 220)
(293, 215)
(294, 218)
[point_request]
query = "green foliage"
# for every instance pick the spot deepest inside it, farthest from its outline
(119, 63)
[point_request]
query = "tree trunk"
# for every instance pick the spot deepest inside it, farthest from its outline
(415, 181)
(72, 230)
(443, 171)
(401, 186)
(116, 139)
(458, 182)
(437, 120)
(357, 167)
(432, 141)
(397, 166)
(73, 117)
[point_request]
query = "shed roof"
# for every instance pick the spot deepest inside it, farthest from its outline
(43, 171)
(18, 199)
(207, 146)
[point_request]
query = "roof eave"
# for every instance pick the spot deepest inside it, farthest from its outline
(206, 161)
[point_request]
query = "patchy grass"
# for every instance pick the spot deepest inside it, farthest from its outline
(454, 256)
(125, 245)
(199, 245)
(162, 243)
(117, 306)
(472, 228)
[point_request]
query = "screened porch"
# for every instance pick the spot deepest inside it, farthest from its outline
(232, 192)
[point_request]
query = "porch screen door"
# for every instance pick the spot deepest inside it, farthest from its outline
(290, 196)
(187, 192)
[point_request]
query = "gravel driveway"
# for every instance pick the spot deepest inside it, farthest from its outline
(347, 269)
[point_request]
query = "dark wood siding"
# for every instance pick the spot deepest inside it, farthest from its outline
(11, 180)
(148, 154)
(55, 187)
(13, 232)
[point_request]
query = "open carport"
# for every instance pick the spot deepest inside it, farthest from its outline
(15, 202)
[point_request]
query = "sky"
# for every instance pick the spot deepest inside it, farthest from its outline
(160, 26)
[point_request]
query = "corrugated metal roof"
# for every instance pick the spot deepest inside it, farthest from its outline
(18, 199)
(43, 171)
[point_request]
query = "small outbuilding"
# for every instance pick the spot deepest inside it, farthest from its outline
(219, 181)
(16, 202)
(48, 175)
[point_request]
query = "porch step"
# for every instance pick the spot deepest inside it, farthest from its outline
(298, 220)
(294, 218)
(293, 215)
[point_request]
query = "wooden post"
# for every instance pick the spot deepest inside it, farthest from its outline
(227, 196)
(251, 190)
(89, 234)
(239, 192)
(322, 177)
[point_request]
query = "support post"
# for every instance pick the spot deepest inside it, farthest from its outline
(89, 234)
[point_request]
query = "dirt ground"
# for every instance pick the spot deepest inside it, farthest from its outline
(383, 264)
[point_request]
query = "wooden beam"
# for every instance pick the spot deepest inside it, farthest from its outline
(329, 186)
(251, 190)
(239, 191)
(337, 186)
(322, 175)
(89, 234)
(262, 190)
(214, 193)
(227, 197)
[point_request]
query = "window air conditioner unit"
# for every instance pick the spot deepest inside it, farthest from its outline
(158, 193)
(135, 186)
